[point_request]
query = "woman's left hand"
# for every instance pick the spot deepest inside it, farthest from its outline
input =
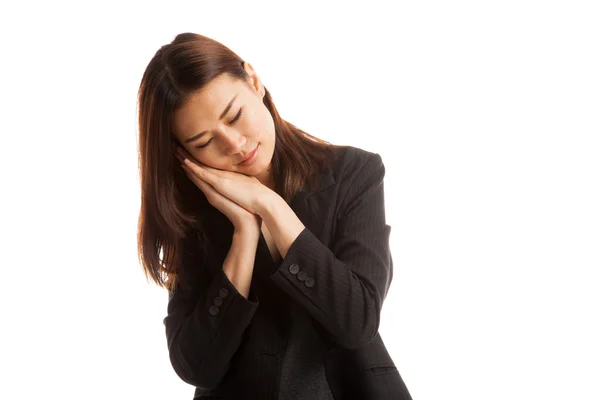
(247, 191)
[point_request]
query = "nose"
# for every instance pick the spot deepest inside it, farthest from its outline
(234, 142)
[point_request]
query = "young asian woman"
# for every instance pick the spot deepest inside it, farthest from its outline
(272, 243)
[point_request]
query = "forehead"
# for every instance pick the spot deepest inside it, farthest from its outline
(204, 107)
(214, 96)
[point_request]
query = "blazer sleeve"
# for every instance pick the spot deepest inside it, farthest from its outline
(206, 318)
(343, 287)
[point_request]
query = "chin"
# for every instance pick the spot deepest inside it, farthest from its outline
(255, 169)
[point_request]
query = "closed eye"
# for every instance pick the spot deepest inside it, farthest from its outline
(233, 121)
(239, 114)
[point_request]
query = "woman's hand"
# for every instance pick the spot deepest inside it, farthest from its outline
(239, 217)
(245, 191)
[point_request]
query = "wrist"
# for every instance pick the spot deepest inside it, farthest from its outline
(247, 232)
(267, 203)
(248, 225)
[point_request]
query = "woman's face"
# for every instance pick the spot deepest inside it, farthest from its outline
(224, 122)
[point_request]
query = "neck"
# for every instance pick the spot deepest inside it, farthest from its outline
(267, 179)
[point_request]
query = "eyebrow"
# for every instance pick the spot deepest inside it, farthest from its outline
(223, 114)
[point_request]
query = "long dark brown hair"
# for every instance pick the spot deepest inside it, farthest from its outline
(171, 204)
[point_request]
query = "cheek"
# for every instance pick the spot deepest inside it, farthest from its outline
(258, 122)
(214, 158)
(195, 155)
(202, 158)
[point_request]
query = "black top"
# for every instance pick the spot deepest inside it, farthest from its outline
(303, 370)
(323, 300)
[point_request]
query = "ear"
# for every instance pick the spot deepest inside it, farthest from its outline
(253, 79)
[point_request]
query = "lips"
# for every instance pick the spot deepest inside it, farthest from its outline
(250, 155)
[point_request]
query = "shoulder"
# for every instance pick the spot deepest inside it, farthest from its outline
(355, 165)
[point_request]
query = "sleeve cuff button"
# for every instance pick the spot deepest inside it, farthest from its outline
(302, 276)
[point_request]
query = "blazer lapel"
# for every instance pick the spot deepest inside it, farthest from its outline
(310, 206)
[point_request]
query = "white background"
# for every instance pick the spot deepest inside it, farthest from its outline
(486, 114)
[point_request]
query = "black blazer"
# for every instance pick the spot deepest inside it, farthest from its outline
(338, 270)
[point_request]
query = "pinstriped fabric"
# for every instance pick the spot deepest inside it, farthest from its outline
(353, 276)
(337, 272)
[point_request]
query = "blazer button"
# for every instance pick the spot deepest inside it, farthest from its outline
(302, 275)
(213, 310)
(223, 293)
(218, 301)
(309, 282)
(294, 268)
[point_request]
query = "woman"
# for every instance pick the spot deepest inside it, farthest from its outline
(275, 250)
